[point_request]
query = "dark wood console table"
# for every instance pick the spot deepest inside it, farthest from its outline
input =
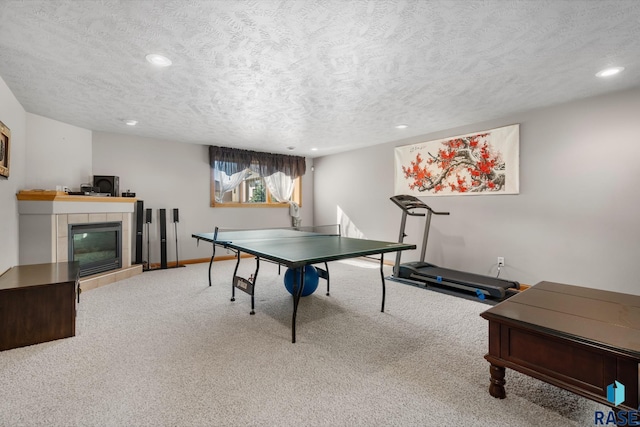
(38, 303)
(576, 338)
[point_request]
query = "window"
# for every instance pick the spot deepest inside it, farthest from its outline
(250, 190)
(241, 178)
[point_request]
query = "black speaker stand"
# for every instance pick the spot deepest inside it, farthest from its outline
(162, 214)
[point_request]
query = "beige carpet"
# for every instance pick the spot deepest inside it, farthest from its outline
(165, 349)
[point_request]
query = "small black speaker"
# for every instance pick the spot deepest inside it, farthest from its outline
(148, 216)
(139, 227)
(163, 237)
(107, 184)
(175, 215)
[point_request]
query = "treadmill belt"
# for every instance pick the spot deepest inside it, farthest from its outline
(463, 278)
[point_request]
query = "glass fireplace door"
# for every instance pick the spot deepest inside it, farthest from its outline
(96, 246)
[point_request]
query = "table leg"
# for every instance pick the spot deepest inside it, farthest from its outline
(323, 273)
(496, 386)
(382, 277)
(211, 262)
(296, 300)
(235, 273)
(326, 268)
(253, 280)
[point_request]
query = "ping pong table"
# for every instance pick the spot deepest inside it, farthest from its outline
(295, 248)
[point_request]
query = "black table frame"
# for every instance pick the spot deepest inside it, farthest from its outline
(248, 285)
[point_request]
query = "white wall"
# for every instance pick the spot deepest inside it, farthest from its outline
(166, 174)
(14, 117)
(58, 154)
(574, 221)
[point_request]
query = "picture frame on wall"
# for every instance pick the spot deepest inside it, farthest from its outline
(5, 145)
(478, 163)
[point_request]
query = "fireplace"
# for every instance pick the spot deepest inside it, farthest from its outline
(96, 246)
(44, 230)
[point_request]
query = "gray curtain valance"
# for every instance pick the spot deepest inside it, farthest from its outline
(233, 160)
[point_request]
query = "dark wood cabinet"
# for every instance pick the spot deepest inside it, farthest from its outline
(38, 303)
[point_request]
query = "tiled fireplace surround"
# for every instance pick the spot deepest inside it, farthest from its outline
(44, 229)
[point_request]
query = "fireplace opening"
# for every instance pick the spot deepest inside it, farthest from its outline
(96, 246)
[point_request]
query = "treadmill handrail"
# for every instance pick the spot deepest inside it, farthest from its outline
(408, 203)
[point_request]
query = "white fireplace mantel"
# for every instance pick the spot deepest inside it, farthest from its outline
(49, 202)
(54, 207)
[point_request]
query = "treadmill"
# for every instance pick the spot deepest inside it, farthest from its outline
(425, 273)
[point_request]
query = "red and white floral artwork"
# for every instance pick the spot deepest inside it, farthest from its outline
(478, 163)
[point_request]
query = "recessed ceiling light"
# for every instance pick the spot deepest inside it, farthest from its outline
(291, 148)
(402, 126)
(158, 60)
(608, 72)
(130, 122)
(314, 149)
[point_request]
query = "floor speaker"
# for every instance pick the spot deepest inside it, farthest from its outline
(107, 184)
(163, 238)
(175, 227)
(139, 230)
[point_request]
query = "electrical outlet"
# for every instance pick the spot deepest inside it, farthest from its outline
(500, 261)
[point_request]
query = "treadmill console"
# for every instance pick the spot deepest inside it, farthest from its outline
(408, 203)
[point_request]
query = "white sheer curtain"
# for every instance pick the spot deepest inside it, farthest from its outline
(224, 182)
(280, 186)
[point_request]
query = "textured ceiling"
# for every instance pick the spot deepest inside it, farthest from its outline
(330, 74)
